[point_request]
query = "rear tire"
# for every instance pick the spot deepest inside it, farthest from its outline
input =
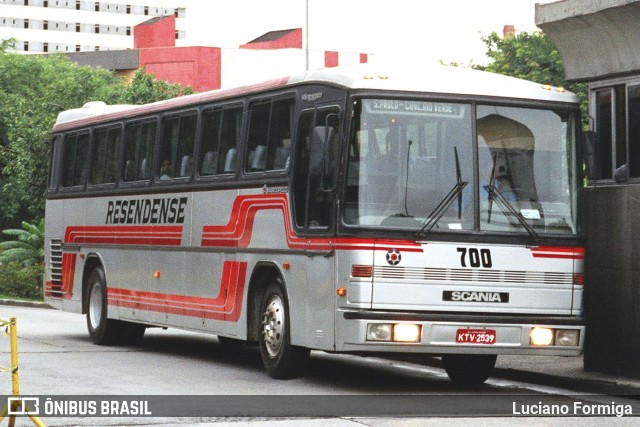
(466, 369)
(281, 360)
(104, 331)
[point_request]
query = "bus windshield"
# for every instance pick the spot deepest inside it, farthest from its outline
(426, 166)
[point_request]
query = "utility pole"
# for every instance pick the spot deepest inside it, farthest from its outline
(306, 30)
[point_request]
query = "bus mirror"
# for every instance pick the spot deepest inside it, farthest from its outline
(589, 143)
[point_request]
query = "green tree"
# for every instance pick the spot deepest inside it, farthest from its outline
(28, 249)
(530, 56)
(33, 90)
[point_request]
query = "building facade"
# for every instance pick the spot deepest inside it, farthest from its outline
(599, 42)
(49, 26)
(126, 35)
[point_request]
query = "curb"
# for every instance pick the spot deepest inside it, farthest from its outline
(584, 385)
(19, 303)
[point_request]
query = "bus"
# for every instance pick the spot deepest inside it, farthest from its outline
(367, 209)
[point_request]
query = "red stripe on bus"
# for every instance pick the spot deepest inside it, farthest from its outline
(560, 252)
(226, 306)
(155, 235)
(238, 230)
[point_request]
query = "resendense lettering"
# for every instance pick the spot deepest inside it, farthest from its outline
(169, 210)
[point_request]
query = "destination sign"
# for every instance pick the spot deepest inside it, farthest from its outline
(410, 106)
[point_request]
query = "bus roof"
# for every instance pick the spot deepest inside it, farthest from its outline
(441, 80)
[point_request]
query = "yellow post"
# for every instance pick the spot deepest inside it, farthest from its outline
(15, 380)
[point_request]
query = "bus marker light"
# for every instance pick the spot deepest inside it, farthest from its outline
(341, 292)
(286, 266)
(568, 337)
(406, 332)
(156, 274)
(379, 332)
(541, 336)
(361, 270)
(578, 278)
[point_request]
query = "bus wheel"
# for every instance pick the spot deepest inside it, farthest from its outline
(465, 369)
(280, 359)
(104, 331)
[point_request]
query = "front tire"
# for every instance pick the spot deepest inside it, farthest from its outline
(281, 360)
(104, 331)
(469, 369)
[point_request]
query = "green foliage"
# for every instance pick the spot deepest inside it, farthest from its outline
(532, 57)
(33, 90)
(28, 249)
(144, 88)
(19, 281)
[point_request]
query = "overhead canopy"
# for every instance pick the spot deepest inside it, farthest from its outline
(597, 39)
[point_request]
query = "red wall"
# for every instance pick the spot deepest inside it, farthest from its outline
(157, 32)
(291, 40)
(198, 67)
(330, 59)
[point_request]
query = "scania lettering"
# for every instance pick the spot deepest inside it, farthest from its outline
(368, 209)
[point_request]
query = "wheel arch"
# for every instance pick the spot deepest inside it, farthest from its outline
(92, 261)
(264, 272)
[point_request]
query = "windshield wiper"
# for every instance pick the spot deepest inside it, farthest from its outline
(506, 206)
(442, 207)
(444, 204)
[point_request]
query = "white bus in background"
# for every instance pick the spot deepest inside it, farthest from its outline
(363, 209)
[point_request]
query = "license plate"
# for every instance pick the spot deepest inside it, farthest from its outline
(476, 336)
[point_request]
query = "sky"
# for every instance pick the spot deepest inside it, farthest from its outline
(427, 30)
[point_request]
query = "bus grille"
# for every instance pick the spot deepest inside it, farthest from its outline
(55, 261)
(462, 275)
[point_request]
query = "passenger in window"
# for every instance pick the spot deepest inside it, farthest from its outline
(165, 170)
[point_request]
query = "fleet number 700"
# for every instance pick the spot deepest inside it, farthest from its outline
(475, 257)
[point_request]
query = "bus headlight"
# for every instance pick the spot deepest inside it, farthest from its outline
(568, 337)
(406, 332)
(379, 332)
(398, 332)
(541, 336)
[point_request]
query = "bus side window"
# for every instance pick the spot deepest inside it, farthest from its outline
(176, 147)
(106, 144)
(269, 140)
(229, 139)
(75, 160)
(210, 140)
(139, 142)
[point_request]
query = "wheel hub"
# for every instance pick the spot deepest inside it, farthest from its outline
(273, 324)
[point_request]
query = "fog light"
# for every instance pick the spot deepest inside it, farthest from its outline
(568, 337)
(405, 332)
(379, 332)
(541, 336)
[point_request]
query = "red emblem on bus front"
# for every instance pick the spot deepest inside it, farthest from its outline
(393, 257)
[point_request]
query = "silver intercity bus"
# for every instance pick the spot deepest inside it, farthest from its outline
(364, 209)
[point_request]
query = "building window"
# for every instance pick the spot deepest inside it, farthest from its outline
(26, 23)
(128, 31)
(77, 48)
(26, 46)
(45, 25)
(146, 10)
(45, 47)
(128, 9)
(77, 4)
(97, 6)
(45, 3)
(77, 27)
(96, 29)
